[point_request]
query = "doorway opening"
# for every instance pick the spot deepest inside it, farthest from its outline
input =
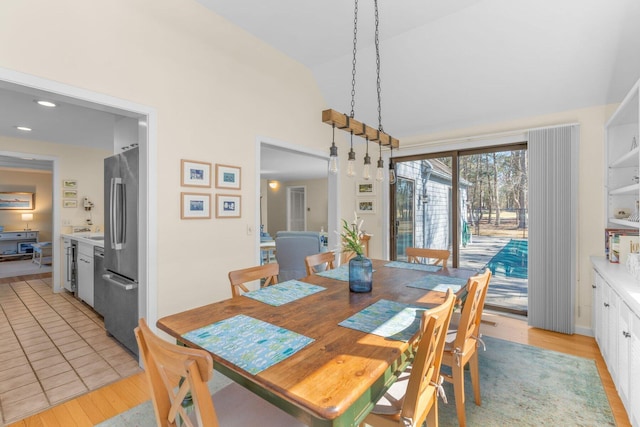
(485, 191)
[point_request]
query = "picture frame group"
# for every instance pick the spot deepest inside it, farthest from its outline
(195, 205)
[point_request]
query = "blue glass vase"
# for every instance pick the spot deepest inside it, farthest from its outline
(360, 274)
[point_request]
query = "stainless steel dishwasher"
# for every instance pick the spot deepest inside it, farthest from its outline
(99, 286)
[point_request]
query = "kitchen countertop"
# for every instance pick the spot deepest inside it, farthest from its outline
(93, 239)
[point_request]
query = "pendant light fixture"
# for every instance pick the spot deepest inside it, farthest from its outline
(392, 169)
(349, 124)
(333, 154)
(366, 172)
(351, 162)
(380, 169)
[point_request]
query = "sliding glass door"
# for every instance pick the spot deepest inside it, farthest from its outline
(473, 203)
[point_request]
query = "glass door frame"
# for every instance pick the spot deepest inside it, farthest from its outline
(455, 225)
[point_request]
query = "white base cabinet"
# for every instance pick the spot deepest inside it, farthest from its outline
(85, 273)
(616, 307)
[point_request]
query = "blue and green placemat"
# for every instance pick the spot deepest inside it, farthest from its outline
(284, 292)
(434, 282)
(338, 273)
(249, 343)
(389, 319)
(413, 266)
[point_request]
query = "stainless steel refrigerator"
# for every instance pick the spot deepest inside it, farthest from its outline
(121, 246)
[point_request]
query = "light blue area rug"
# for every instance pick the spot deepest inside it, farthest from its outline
(521, 386)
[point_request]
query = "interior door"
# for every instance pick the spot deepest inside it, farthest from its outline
(296, 209)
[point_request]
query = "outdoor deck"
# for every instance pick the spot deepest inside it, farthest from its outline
(509, 292)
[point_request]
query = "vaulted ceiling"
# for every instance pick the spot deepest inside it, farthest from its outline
(445, 64)
(448, 64)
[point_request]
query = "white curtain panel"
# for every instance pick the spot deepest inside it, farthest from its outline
(553, 192)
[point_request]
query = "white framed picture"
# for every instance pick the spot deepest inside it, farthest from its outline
(228, 177)
(69, 183)
(195, 174)
(365, 205)
(365, 188)
(69, 203)
(228, 206)
(195, 206)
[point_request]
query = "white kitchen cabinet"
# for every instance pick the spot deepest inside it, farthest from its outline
(85, 273)
(623, 160)
(634, 372)
(617, 330)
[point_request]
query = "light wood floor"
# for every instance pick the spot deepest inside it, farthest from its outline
(107, 402)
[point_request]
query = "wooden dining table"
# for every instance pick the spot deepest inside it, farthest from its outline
(337, 378)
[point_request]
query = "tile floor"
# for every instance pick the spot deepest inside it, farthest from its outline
(52, 347)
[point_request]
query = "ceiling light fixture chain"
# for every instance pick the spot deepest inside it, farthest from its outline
(355, 50)
(348, 123)
(377, 43)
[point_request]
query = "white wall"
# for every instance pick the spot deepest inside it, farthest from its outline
(215, 89)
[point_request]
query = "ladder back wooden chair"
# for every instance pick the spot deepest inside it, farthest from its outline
(323, 259)
(463, 342)
(413, 398)
(421, 255)
(174, 371)
(238, 278)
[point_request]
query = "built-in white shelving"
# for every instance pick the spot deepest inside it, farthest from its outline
(622, 190)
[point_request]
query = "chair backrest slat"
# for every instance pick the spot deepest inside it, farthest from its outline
(425, 370)
(325, 259)
(171, 367)
(238, 278)
(419, 255)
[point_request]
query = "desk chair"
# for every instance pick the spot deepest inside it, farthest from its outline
(238, 278)
(420, 255)
(463, 342)
(414, 396)
(173, 371)
(319, 262)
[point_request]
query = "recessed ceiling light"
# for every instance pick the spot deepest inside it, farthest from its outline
(46, 103)
(23, 128)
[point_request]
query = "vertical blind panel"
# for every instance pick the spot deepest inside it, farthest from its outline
(553, 154)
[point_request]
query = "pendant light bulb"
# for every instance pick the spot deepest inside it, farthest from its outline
(392, 173)
(351, 163)
(366, 172)
(392, 169)
(380, 171)
(333, 154)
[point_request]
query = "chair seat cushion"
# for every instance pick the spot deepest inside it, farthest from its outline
(238, 407)
(391, 402)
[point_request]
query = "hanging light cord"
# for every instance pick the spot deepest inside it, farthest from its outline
(377, 42)
(353, 71)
